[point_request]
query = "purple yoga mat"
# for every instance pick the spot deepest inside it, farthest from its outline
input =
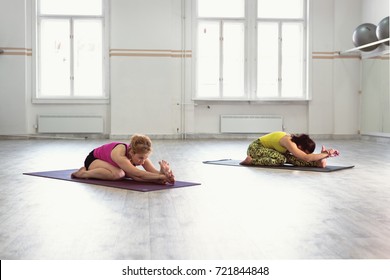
(127, 184)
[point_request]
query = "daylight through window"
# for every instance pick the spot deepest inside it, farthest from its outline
(70, 49)
(250, 50)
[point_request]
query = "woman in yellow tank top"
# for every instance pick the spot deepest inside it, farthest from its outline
(278, 148)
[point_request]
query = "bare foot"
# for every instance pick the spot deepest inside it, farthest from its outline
(322, 162)
(247, 161)
(79, 173)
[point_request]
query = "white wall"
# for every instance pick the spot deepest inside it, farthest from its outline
(346, 71)
(139, 79)
(374, 10)
(335, 80)
(375, 110)
(12, 67)
(149, 93)
(146, 78)
(18, 115)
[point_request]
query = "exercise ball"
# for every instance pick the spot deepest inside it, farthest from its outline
(365, 34)
(382, 30)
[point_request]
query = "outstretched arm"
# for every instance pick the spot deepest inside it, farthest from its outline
(295, 151)
(118, 155)
(164, 169)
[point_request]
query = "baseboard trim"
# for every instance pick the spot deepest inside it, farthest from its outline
(189, 136)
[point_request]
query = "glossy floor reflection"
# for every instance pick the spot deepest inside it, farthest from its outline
(237, 212)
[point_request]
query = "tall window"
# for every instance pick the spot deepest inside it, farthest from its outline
(280, 48)
(70, 49)
(250, 50)
(221, 49)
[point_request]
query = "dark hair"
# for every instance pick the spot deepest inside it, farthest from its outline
(304, 142)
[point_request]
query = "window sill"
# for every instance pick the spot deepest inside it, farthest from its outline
(254, 101)
(71, 100)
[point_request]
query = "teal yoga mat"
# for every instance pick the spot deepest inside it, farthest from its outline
(235, 162)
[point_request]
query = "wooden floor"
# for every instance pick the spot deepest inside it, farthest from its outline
(237, 212)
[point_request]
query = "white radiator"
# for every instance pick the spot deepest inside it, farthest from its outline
(251, 123)
(70, 124)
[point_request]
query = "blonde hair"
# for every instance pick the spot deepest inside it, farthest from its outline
(140, 144)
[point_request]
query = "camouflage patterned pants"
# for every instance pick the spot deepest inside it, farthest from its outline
(264, 156)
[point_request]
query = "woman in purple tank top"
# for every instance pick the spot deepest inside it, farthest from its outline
(114, 161)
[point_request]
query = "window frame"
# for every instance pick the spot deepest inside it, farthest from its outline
(220, 22)
(251, 21)
(71, 99)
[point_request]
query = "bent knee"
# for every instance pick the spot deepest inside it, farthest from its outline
(117, 175)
